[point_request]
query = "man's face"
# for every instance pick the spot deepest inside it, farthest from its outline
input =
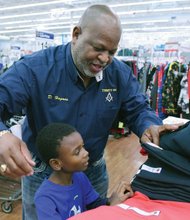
(72, 155)
(93, 50)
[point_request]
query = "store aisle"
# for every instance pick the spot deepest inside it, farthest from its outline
(123, 159)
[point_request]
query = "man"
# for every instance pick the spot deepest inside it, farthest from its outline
(81, 84)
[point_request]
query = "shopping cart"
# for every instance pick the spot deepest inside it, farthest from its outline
(10, 191)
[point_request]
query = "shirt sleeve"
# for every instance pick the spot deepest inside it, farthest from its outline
(135, 109)
(46, 209)
(90, 195)
(98, 202)
(13, 89)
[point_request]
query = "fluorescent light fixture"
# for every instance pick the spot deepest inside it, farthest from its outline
(32, 35)
(145, 3)
(31, 29)
(156, 28)
(26, 21)
(153, 10)
(119, 13)
(145, 21)
(36, 20)
(124, 29)
(25, 15)
(70, 2)
(16, 30)
(33, 5)
(4, 37)
(68, 23)
(36, 25)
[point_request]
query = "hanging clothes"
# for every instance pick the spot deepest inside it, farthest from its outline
(183, 100)
(171, 90)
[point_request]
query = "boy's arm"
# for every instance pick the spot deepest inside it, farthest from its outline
(123, 192)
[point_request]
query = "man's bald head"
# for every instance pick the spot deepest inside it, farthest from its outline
(97, 15)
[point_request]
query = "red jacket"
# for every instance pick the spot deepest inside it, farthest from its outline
(139, 207)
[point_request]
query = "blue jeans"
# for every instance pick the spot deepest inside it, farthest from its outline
(97, 174)
(30, 184)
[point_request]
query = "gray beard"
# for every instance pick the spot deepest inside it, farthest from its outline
(88, 74)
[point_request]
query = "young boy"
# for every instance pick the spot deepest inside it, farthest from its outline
(68, 191)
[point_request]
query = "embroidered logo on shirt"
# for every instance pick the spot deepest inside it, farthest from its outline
(109, 97)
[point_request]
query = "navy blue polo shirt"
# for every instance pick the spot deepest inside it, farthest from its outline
(47, 86)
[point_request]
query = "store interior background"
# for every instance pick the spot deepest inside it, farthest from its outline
(153, 30)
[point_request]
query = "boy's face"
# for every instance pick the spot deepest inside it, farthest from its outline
(72, 155)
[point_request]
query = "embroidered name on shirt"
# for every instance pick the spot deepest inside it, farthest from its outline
(109, 90)
(58, 98)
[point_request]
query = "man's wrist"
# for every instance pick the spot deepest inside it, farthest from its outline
(4, 132)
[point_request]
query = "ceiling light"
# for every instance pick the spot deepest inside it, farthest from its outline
(24, 15)
(36, 25)
(68, 2)
(145, 21)
(32, 5)
(145, 3)
(153, 10)
(68, 23)
(31, 29)
(119, 13)
(156, 28)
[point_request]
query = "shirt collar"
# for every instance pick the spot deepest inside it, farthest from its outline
(99, 76)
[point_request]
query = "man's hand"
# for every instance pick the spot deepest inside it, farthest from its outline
(152, 134)
(123, 192)
(15, 155)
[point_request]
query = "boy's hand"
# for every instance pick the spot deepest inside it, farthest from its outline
(123, 192)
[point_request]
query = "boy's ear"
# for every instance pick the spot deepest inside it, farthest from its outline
(55, 164)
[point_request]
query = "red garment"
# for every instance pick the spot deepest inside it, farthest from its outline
(139, 207)
(143, 152)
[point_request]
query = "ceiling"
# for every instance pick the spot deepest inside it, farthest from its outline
(142, 20)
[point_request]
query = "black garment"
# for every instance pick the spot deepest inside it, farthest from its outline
(166, 173)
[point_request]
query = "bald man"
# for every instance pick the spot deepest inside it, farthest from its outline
(80, 83)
